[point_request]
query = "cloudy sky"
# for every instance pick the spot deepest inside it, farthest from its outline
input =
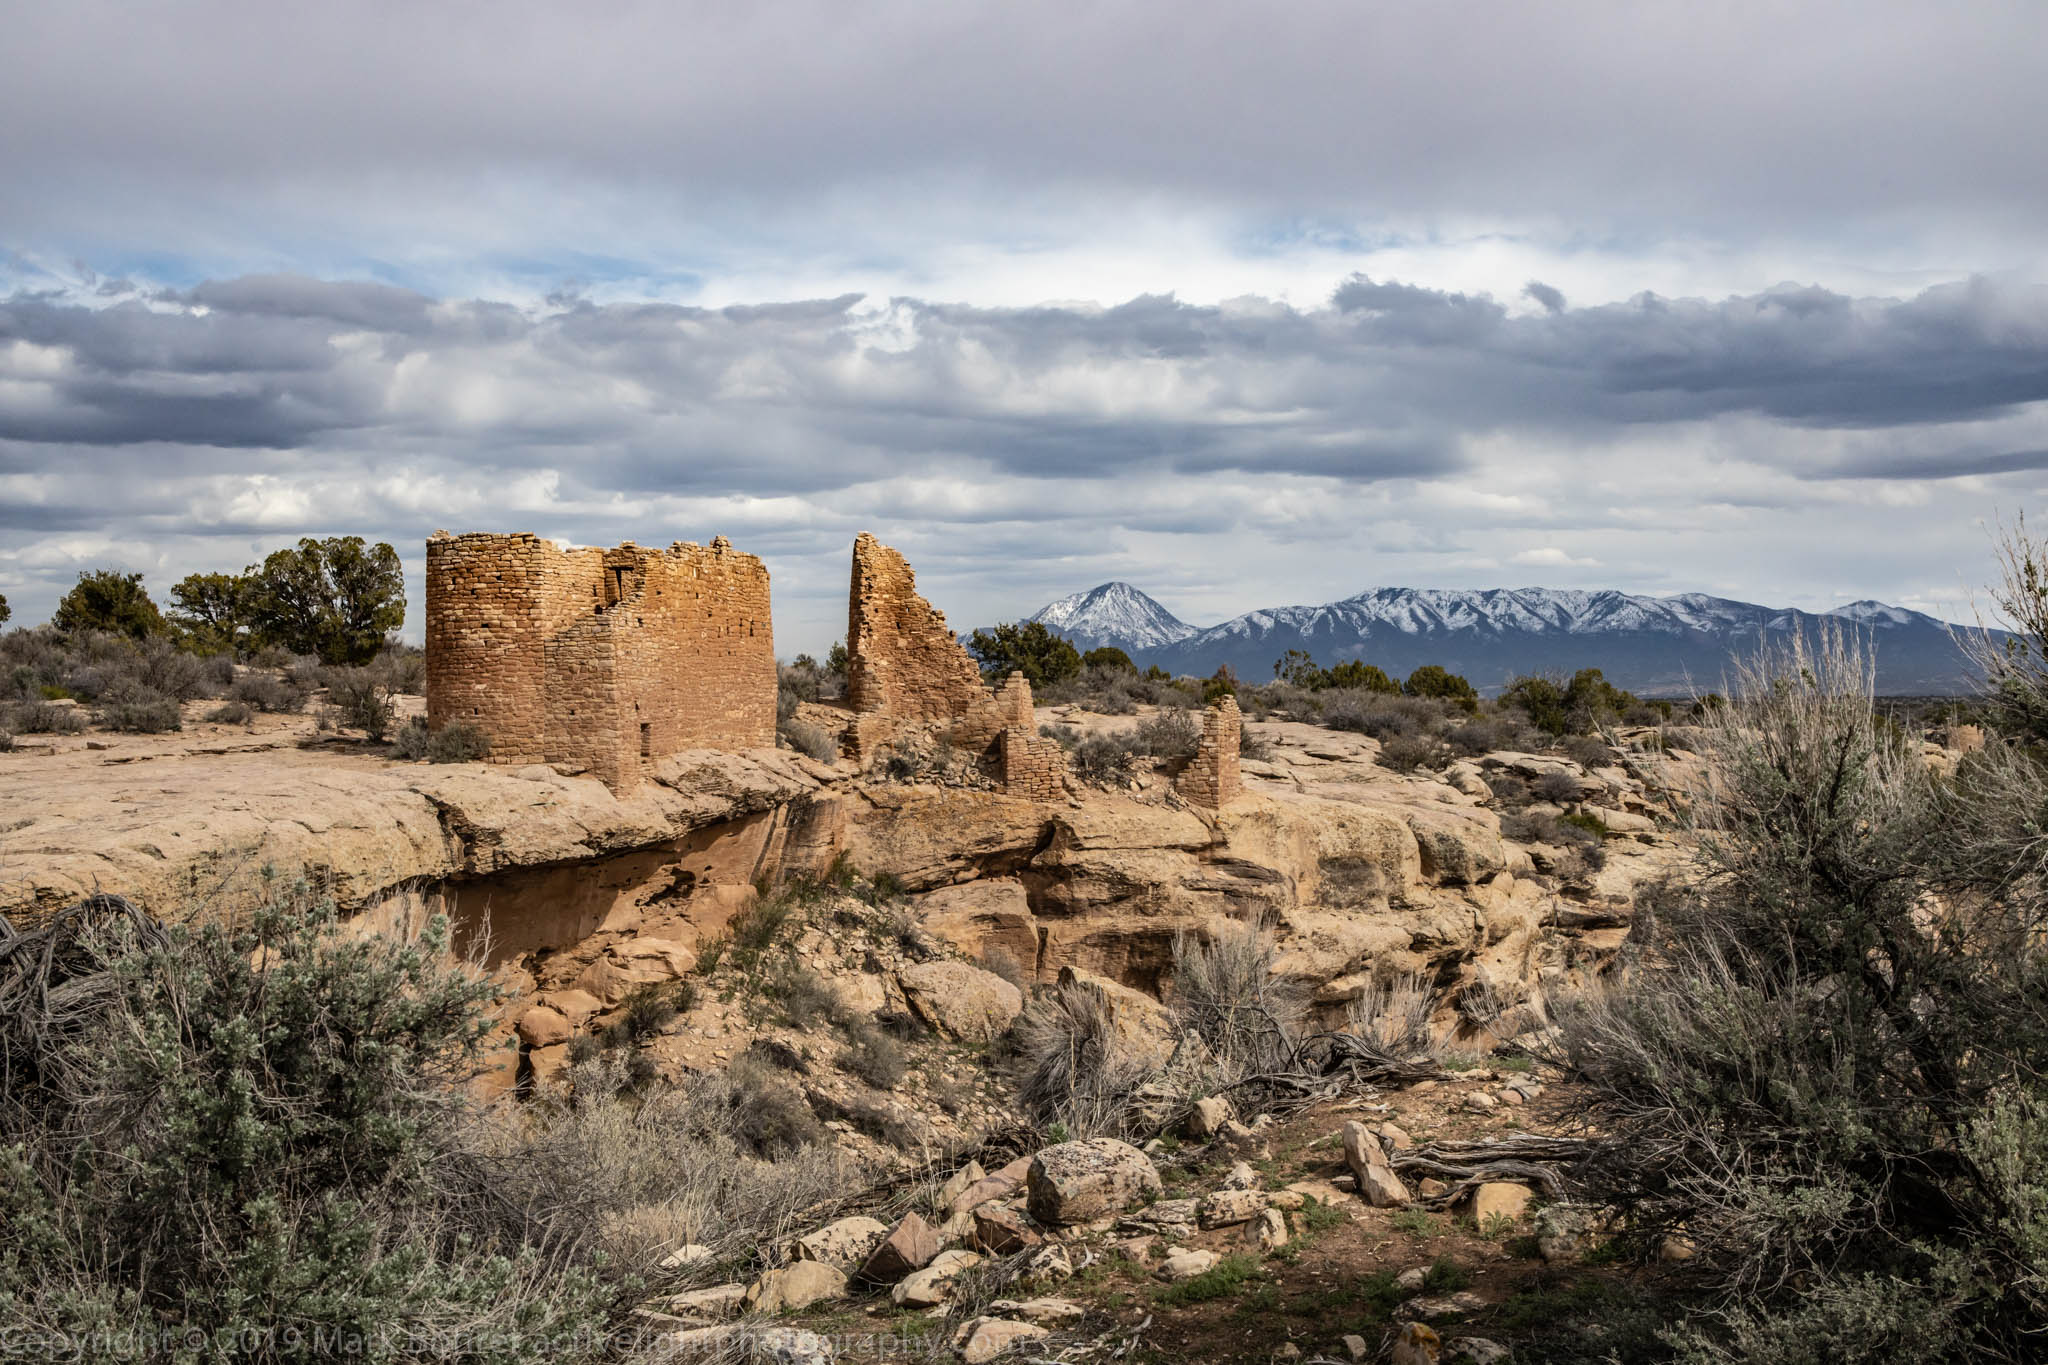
(1247, 304)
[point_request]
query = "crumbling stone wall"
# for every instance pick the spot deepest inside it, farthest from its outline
(609, 660)
(1213, 778)
(904, 666)
(1033, 766)
(902, 658)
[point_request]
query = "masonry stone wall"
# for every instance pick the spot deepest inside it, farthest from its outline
(1213, 778)
(1033, 766)
(904, 666)
(609, 660)
(902, 658)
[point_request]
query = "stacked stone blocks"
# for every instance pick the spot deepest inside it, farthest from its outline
(905, 666)
(1032, 765)
(606, 660)
(1213, 778)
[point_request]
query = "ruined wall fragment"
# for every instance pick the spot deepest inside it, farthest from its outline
(1212, 778)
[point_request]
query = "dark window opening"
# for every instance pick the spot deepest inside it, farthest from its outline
(646, 740)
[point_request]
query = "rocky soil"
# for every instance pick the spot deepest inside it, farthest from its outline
(1317, 1237)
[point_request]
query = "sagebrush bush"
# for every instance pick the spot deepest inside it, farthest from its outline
(232, 713)
(1075, 1068)
(1830, 1081)
(1225, 990)
(1171, 733)
(249, 1129)
(809, 740)
(141, 714)
(41, 718)
(361, 701)
(268, 692)
(1406, 753)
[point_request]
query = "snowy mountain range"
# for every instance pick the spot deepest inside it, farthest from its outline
(1659, 646)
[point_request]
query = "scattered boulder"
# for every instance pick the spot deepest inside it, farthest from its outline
(543, 1027)
(796, 1285)
(708, 1305)
(846, 1243)
(1446, 1305)
(957, 1183)
(1079, 1182)
(1242, 1141)
(1267, 1232)
(986, 1338)
(1480, 1102)
(636, 962)
(910, 1245)
(1228, 1208)
(1475, 1351)
(1241, 1177)
(1416, 1344)
(1561, 1231)
(1000, 1231)
(1500, 1198)
(1411, 1280)
(1184, 1263)
(684, 1256)
(931, 1286)
(1377, 1183)
(1054, 1312)
(791, 1346)
(959, 1001)
(1209, 1116)
(995, 1185)
(1047, 1265)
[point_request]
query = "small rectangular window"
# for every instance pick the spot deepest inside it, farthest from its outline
(646, 740)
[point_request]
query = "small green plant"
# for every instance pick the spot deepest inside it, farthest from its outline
(1496, 1227)
(1445, 1276)
(1316, 1216)
(1221, 1281)
(1415, 1222)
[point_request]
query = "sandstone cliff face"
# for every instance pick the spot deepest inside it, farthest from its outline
(1360, 869)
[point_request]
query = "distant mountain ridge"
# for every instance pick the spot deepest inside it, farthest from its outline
(1651, 645)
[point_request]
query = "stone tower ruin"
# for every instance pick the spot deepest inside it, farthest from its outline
(605, 660)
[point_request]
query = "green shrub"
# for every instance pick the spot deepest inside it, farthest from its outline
(361, 701)
(1831, 1080)
(37, 718)
(1223, 1280)
(1108, 657)
(1431, 680)
(141, 715)
(1025, 647)
(809, 740)
(268, 692)
(250, 1131)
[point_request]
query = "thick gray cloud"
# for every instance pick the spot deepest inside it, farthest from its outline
(1735, 113)
(1027, 451)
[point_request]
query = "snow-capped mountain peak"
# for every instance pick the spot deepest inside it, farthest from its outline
(1654, 644)
(1116, 614)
